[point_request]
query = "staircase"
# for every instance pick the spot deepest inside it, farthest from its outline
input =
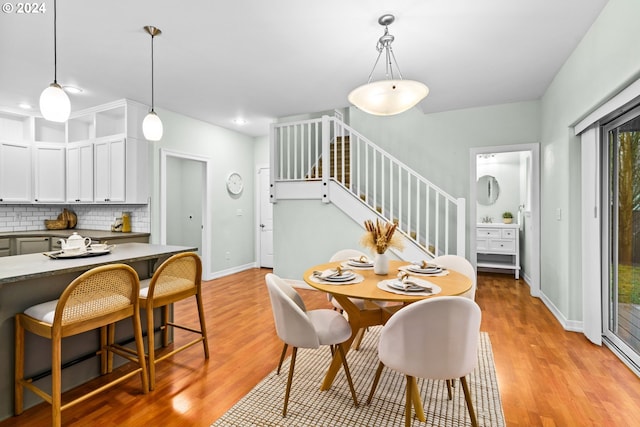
(328, 158)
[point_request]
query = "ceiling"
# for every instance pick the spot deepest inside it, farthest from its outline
(260, 60)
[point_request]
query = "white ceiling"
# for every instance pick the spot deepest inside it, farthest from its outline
(260, 59)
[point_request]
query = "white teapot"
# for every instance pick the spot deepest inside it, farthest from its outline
(75, 243)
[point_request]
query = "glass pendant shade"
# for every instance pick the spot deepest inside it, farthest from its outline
(152, 127)
(388, 97)
(54, 104)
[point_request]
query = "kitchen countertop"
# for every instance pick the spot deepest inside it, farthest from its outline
(94, 234)
(32, 266)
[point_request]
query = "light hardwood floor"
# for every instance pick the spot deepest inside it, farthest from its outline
(547, 376)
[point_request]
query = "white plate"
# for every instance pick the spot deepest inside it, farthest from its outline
(343, 278)
(410, 288)
(429, 270)
(356, 263)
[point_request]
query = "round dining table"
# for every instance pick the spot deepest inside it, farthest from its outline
(380, 304)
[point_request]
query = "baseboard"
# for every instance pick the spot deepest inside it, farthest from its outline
(232, 270)
(568, 325)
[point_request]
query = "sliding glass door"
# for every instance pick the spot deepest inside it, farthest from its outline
(621, 290)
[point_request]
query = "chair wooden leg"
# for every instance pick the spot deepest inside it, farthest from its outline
(103, 350)
(151, 349)
(203, 327)
(19, 367)
(407, 405)
(375, 382)
(346, 370)
(282, 355)
(56, 381)
(449, 389)
(137, 331)
(467, 398)
(111, 338)
(165, 325)
(289, 380)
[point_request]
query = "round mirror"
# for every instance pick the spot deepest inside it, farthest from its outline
(488, 190)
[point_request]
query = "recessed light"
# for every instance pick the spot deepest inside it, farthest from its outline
(240, 121)
(25, 106)
(72, 89)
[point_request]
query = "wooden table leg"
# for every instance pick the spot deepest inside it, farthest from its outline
(357, 319)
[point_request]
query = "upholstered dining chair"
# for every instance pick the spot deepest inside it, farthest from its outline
(305, 329)
(97, 299)
(445, 347)
(177, 278)
(461, 265)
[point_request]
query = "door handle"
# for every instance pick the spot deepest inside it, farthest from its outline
(262, 225)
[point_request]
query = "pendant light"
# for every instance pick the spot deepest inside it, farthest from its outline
(152, 125)
(390, 96)
(54, 102)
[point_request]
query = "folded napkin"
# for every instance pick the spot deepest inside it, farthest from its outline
(332, 273)
(409, 283)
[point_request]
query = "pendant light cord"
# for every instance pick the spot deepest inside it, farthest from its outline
(152, 103)
(55, 44)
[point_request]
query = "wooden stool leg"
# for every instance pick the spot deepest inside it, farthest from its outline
(19, 367)
(165, 325)
(203, 327)
(56, 380)
(151, 350)
(137, 329)
(103, 350)
(111, 338)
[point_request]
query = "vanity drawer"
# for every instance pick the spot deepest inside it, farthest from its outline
(482, 245)
(509, 233)
(492, 233)
(502, 245)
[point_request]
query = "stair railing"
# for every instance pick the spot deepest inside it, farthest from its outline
(423, 211)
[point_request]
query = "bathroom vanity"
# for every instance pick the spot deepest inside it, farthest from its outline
(498, 247)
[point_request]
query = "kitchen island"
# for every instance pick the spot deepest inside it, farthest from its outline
(26, 280)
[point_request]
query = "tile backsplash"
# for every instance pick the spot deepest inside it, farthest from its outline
(93, 217)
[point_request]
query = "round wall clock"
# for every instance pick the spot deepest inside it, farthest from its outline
(234, 183)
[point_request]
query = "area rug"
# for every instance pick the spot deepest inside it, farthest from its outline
(308, 406)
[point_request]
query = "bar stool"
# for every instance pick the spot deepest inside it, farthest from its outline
(177, 278)
(96, 299)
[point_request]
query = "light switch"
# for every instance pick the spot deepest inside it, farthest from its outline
(558, 214)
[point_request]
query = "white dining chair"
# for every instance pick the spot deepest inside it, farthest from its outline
(445, 347)
(463, 266)
(305, 329)
(345, 255)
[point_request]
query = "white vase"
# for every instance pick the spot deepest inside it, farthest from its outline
(381, 264)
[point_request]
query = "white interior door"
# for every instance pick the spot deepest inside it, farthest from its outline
(265, 233)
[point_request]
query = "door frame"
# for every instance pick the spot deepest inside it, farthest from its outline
(534, 149)
(206, 205)
(258, 194)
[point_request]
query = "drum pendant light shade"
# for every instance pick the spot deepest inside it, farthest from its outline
(54, 102)
(392, 95)
(152, 125)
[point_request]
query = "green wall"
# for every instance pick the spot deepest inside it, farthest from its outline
(227, 151)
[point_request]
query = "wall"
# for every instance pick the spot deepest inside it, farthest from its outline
(605, 61)
(231, 225)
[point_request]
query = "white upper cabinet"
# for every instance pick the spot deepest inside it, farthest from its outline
(15, 172)
(49, 171)
(80, 172)
(97, 156)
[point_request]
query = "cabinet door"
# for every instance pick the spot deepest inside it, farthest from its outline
(31, 245)
(15, 172)
(80, 173)
(110, 171)
(50, 173)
